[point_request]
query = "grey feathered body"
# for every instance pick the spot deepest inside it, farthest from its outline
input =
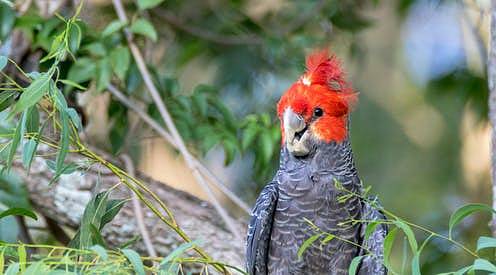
(305, 189)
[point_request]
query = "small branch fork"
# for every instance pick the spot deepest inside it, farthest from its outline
(170, 123)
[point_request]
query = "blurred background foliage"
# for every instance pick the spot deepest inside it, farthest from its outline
(419, 134)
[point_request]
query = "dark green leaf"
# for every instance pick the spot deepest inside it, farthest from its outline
(16, 140)
(146, 4)
(64, 142)
(120, 60)
(135, 261)
(7, 98)
(112, 209)
(249, 135)
(18, 212)
(306, 244)
(144, 27)
(465, 211)
(200, 103)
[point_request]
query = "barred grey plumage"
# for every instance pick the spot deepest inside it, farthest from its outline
(304, 188)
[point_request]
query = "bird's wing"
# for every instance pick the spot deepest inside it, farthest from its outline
(259, 230)
(373, 263)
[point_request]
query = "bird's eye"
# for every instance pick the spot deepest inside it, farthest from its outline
(318, 112)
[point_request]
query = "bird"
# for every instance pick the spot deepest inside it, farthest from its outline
(316, 171)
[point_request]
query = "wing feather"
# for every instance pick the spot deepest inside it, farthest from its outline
(259, 230)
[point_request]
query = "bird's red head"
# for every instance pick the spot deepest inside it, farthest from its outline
(321, 99)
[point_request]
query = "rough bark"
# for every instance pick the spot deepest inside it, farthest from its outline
(65, 200)
(491, 75)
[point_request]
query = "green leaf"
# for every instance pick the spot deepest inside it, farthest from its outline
(73, 115)
(72, 83)
(92, 216)
(352, 270)
(33, 93)
(306, 244)
(3, 62)
(465, 211)
(32, 120)
(167, 264)
(16, 211)
(200, 103)
(74, 38)
(388, 246)
(267, 146)
(104, 74)
(135, 260)
(16, 139)
(249, 135)
(416, 264)
(7, 98)
(112, 209)
(408, 233)
(83, 70)
(64, 142)
(7, 19)
(100, 250)
(114, 26)
(37, 268)
(371, 226)
(120, 59)
(484, 265)
(146, 4)
(13, 269)
(96, 49)
(485, 242)
(28, 152)
(144, 27)
(230, 148)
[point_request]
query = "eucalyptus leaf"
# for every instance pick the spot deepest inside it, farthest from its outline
(18, 212)
(144, 27)
(147, 4)
(33, 93)
(135, 260)
(464, 211)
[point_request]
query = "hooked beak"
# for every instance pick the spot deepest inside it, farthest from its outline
(295, 133)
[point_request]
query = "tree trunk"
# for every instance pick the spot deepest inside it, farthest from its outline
(491, 75)
(65, 200)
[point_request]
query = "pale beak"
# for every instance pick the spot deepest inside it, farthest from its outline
(295, 132)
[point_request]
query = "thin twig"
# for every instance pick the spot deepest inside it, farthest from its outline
(138, 211)
(169, 122)
(168, 138)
